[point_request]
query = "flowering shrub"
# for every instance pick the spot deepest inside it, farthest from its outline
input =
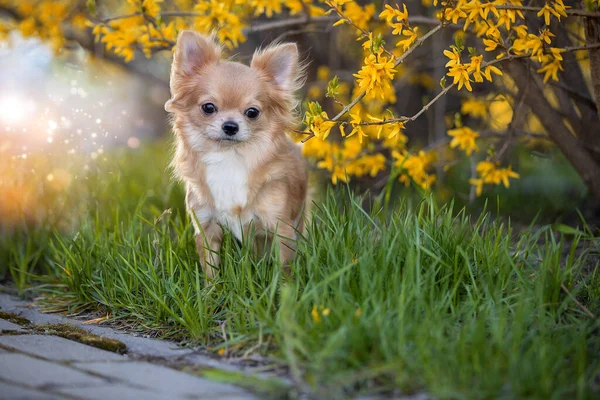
(510, 55)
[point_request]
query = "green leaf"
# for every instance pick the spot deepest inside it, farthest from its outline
(459, 43)
(333, 87)
(566, 229)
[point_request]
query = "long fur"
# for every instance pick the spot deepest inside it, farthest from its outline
(255, 180)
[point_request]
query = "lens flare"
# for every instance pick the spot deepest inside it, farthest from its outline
(15, 109)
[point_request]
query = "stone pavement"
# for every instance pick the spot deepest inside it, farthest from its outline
(37, 363)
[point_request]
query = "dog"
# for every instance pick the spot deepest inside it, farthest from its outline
(241, 170)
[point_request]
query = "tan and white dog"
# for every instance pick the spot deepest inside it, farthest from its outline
(240, 168)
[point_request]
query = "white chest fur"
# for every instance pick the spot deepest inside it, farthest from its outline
(227, 179)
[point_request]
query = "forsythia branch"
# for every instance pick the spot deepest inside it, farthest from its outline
(441, 93)
(572, 12)
(398, 61)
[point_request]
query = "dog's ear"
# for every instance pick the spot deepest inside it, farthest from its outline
(280, 62)
(194, 51)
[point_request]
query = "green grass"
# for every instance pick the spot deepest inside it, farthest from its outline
(420, 297)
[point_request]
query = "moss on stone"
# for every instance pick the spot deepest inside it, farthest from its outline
(14, 318)
(82, 336)
(269, 388)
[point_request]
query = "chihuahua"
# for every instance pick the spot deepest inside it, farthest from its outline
(241, 170)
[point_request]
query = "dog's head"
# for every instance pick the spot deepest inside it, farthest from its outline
(227, 102)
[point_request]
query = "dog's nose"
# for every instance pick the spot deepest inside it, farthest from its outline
(230, 128)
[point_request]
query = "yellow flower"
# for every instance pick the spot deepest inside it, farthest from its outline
(339, 174)
(546, 35)
(550, 70)
(477, 9)
(318, 149)
(474, 107)
(299, 6)
(390, 13)
(460, 73)
(411, 37)
(475, 68)
(359, 15)
(558, 11)
(355, 121)
(219, 17)
(314, 92)
(315, 315)
(454, 14)
(151, 7)
(320, 127)
(556, 53)
(464, 139)
(454, 57)
(317, 121)
(484, 167)
(488, 72)
(530, 43)
(415, 167)
(374, 163)
(507, 173)
(478, 183)
(352, 148)
(323, 73)
(489, 173)
(375, 76)
(396, 131)
(551, 64)
(490, 45)
(397, 28)
(267, 7)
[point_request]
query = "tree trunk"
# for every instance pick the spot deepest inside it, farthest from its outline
(574, 149)
(592, 33)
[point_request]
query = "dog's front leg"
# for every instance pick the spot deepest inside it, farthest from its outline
(286, 238)
(208, 244)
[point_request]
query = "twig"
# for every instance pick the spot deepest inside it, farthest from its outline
(436, 98)
(115, 18)
(578, 13)
(286, 23)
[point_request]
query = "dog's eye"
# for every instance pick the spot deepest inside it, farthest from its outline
(209, 108)
(252, 113)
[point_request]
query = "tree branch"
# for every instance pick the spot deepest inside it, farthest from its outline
(571, 12)
(447, 88)
(552, 122)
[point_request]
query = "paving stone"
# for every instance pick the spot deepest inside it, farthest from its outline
(116, 391)
(9, 326)
(57, 348)
(136, 347)
(166, 380)
(141, 346)
(13, 392)
(31, 371)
